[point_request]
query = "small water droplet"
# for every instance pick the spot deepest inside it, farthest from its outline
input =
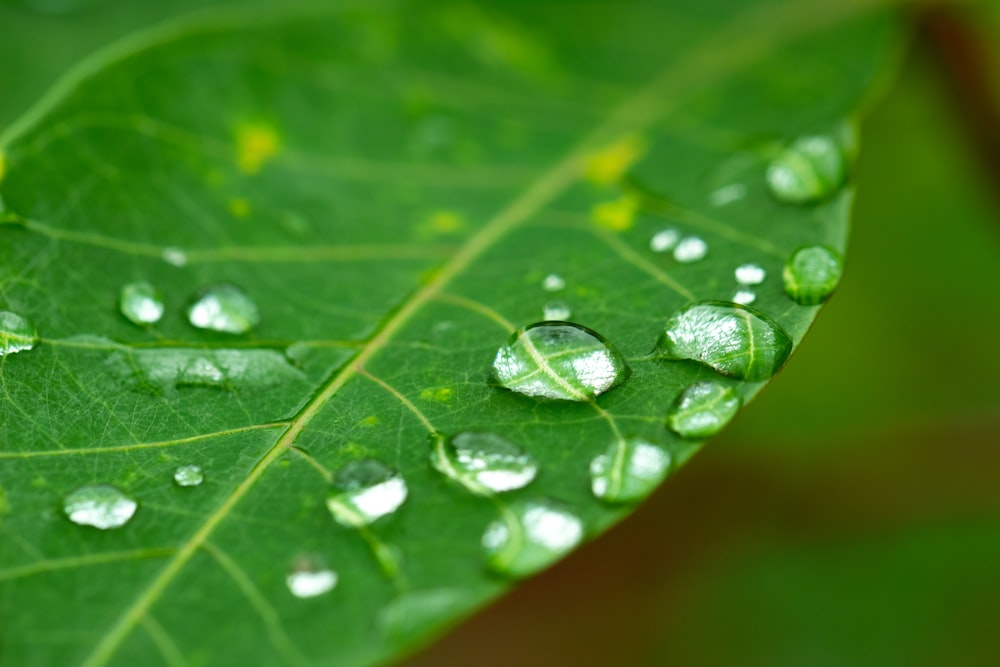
(189, 475)
(734, 340)
(310, 577)
(727, 194)
(664, 240)
(744, 297)
(224, 307)
(812, 274)
(531, 535)
(553, 283)
(483, 462)
(101, 506)
(628, 470)
(690, 249)
(750, 274)
(557, 310)
(16, 334)
(174, 256)
(141, 303)
(365, 490)
(559, 360)
(811, 169)
(703, 409)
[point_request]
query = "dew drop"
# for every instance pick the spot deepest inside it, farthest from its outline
(483, 462)
(812, 273)
(703, 409)
(174, 256)
(744, 296)
(553, 283)
(628, 470)
(101, 506)
(16, 334)
(727, 194)
(530, 536)
(310, 577)
(664, 240)
(690, 249)
(735, 340)
(363, 491)
(189, 475)
(750, 274)
(141, 303)
(224, 307)
(811, 169)
(557, 310)
(559, 360)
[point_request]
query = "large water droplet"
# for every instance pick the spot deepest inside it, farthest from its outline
(750, 274)
(664, 240)
(690, 249)
(553, 283)
(628, 470)
(16, 334)
(559, 360)
(224, 307)
(811, 169)
(812, 273)
(101, 506)
(703, 409)
(310, 577)
(189, 475)
(483, 462)
(557, 311)
(364, 491)
(530, 536)
(734, 340)
(141, 303)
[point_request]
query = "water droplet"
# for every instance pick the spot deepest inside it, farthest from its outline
(559, 360)
(530, 535)
(811, 169)
(310, 577)
(734, 340)
(483, 462)
(744, 297)
(101, 506)
(750, 274)
(812, 273)
(224, 307)
(16, 334)
(364, 491)
(727, 194)
(174, 256)
(557, 310)
(628, 470)
(703, 409)
(664, 240)
(163, 370)
(553, 283)
(189, 475)
(690, 249)
(141, 303)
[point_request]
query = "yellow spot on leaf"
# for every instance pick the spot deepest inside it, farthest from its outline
(617, 214)
(239, 207)
(609, 164)
(439, 394)
(3, 166)
(446, 222)
(370, 420)
(256, 144)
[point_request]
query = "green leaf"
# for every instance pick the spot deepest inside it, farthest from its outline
(396, 188)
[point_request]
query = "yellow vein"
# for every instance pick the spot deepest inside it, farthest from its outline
(400, 397)
(476, 307)
(164, 643)
(640, 262)
(41, 567)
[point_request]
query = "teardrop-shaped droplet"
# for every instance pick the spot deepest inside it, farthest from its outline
(628, 470)
(750, 274)
(556, 311)
(483, 462)
(189, 475)
(735, 340)
(364, 491)
(811, 169)
(559, 360)
(141, 303)
(530, 536)
(310, 577)
(224, 307)
(812, 274)
(703, 409)
(101, 506)
(16, 334)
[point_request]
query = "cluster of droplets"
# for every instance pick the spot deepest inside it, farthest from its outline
(685, 249)
(222, 307)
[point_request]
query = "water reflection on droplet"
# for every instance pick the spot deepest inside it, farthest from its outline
(365, 490)
(141, 303)
(309, 577)
(102, 506)
(174, 256)
(664, 240)
(483, 462)
(750, 274)
(744, 296)
(553, 283)
(812, 273)
(727, 194)
(530, 536)
(628, 470)
(225, 308)
(189, 475)
(690, 249)
(809, 170)
(16, 334)
(703, 409)
(556, 310)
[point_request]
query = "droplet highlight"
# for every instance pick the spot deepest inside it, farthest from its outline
(557, 310)
(703, 409)
(750, 274)
(559, 360)
(225, 308)
(530, 536)
(628, 470)
(812, 273)
(483, 462)
(102, 506)
(365, 491)
(690, 249)
(141, 303)
(16, 334)
(735, 340)
(553, 283)
(744, 296)
(189, 475)
(664, 240)
(809, 170)
(310, 577)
